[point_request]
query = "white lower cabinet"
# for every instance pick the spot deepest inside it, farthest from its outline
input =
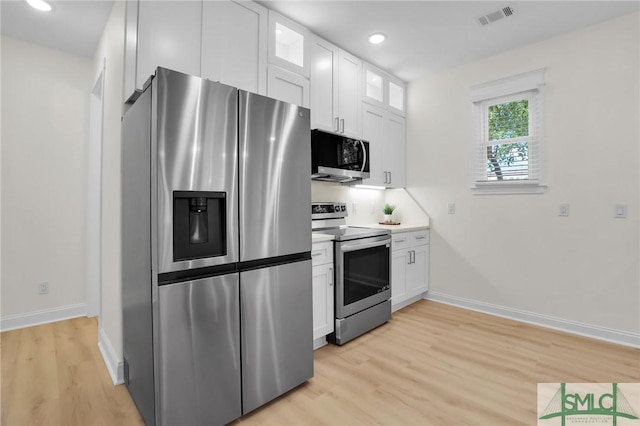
(409, 267)
(322, 271)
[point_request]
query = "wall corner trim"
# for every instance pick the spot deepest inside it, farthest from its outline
(111, 361)
(573, 327)
(45, 316)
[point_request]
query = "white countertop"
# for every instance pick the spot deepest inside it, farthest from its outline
(317, 238)
(398, 228)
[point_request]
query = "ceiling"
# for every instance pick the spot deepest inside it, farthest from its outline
(74, 26)
(424, 37)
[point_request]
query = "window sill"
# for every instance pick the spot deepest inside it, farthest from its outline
(506, 188)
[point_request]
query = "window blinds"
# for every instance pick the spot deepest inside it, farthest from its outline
(507, 130)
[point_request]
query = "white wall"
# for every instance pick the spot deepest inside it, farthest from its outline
(45, 95)
(514, 251)
(111, 51)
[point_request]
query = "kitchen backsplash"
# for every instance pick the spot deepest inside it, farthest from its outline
(365, 205)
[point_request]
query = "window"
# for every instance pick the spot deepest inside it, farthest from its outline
(507, 142)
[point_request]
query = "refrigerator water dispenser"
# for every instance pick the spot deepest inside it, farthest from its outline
(199, 224)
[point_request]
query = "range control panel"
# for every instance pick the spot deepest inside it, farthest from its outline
(328, 210)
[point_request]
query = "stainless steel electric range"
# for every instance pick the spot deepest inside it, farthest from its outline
(362, 264)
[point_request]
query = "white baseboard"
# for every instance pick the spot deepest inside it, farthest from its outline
(319, 342)
(574, 327)
(114, 365)
(405, 303)
(45, 316)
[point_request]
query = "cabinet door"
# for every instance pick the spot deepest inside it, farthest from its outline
(169, 35)
(234, 48)
(373, 132)
(348, 94)
(374, 85)
(287, 86)
(417, 272)
(324, 90)
(288, 44)
(323, 317)
(397, 98)
(399, 264)
(394, 159)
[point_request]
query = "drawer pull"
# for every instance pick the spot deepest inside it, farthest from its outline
(316, 253)
(400, 241)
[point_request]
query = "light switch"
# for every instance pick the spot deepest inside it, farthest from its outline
(563, 209)
(451, 208)
(620, 211)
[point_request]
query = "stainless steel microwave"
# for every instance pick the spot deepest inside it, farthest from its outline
(337, 158)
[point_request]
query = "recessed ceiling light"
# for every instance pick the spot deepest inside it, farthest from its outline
(377, 38)
(40, 5)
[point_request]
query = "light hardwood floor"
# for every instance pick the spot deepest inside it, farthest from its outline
(432, 364)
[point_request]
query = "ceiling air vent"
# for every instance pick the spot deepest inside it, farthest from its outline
(495, 16)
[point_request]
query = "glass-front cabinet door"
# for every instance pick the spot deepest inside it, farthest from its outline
(383, 90)
(288, 44)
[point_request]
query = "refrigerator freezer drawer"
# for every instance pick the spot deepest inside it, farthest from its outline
(199, 352)
(277, 331)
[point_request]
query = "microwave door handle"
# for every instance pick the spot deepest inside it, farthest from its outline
(364, 156)
(360, 246)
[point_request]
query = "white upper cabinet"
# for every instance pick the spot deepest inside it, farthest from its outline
(335, 96)
(324, 88)
(349, 95)
(396, 96)
(395, 161)
(385, 133)
(169, 36)
(373, 118)
(288, 44)
(373, 90)
(234, 44)
(382, 89)
(287, 86)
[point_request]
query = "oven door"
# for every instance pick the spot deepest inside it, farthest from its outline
(363, 277)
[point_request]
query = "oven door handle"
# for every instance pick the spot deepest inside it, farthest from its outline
(360, 246)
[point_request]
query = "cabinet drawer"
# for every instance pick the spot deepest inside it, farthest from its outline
(400, 241)
(419, 238)
(322, 253)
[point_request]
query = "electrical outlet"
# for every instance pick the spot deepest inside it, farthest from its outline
(43, 288)
(563, 209)
(354, 208)
(620, 211)
(373, 208)
(451, 208)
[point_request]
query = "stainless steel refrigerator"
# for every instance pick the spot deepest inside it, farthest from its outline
(216, 242)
